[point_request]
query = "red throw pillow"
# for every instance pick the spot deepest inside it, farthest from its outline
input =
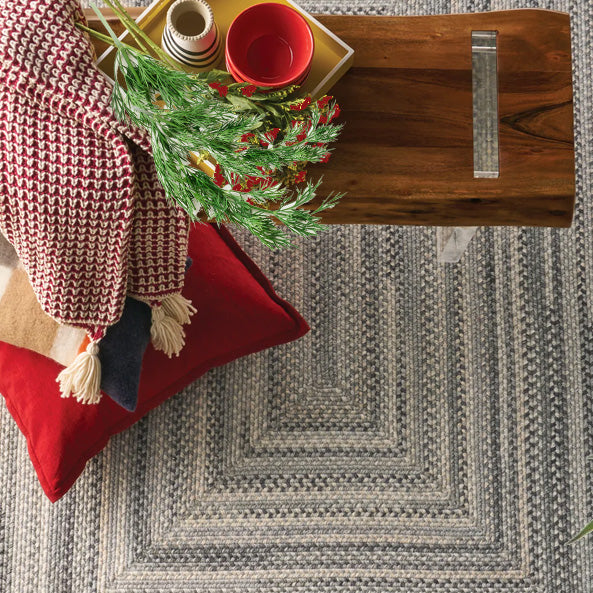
(238, 313)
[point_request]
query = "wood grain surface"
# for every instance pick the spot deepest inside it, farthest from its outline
(406, 153)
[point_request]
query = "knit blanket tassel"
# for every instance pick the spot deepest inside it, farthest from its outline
(168, 318)
(82, 378)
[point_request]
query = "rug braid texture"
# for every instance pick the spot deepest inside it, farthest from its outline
(433, 432)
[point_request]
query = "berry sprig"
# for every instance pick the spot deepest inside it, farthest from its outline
(260, 139)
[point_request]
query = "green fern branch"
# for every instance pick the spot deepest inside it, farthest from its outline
(253, 136)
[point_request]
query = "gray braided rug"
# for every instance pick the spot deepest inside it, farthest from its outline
(432, 433)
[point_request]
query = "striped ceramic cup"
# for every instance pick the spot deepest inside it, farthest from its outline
(191, 36)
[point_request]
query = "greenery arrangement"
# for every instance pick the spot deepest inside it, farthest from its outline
(260, 140)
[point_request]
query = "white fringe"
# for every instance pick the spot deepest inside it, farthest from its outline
(166, 332)
(82, 378)
(179, 308)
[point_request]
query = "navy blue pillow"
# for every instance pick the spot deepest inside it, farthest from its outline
(121, 352)
(122, 349)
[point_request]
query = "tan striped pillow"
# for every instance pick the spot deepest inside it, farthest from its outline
(22, 321)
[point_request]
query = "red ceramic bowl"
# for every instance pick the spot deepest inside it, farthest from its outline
(234, 74)
(269, 45)
(237, 78)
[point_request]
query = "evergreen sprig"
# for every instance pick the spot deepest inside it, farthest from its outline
(251, 134)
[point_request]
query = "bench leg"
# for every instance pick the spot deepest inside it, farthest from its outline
(452, 242)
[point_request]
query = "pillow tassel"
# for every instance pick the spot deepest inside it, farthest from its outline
(82, 378)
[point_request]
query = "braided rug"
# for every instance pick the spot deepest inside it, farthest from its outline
(433, 433)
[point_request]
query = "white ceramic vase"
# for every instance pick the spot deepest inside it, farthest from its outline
(191, 36)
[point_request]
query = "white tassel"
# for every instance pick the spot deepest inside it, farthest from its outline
(82, 378)
(179, 308)
(166, 332)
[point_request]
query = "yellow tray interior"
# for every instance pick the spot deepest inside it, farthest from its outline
(331, 59)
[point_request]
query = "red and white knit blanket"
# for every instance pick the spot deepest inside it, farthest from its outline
(79, 197)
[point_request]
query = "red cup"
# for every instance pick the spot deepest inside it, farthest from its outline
(269, 45)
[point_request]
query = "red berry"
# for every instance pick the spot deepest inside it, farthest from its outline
(270, 135)
(302, 105)
(336, 113)
(218, 177)
(300, 176)
(221, 88)
(249, 90)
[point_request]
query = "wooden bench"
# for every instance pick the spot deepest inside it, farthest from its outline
(406, 155)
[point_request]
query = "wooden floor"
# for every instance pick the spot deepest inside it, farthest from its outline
(406, 153)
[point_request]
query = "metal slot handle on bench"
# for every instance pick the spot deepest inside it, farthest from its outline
(452, 241)
(485, 104)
